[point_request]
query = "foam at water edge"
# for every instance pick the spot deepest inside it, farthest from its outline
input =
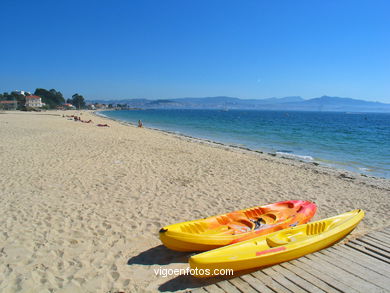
(101, 114)
(293, 156)
(365, 169)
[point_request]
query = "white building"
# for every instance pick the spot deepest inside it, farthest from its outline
(34, 102)
(24, 93)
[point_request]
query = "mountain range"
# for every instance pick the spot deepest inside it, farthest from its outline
(293, 103)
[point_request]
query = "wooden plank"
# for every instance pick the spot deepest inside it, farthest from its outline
(242, 285)
(371, 267)
(364, 273)
(366, 251)
(293, 277)
(256, 283)
(271, 283)
(381, 234)
(327, 274)
(309, 277)
(362, 259)
(213, 289)
(372, 248)
(385, 236)
(380, 239)
(199, 290)
(375, 243)
(354, 281)
(361, 265)
(282, 280)
(228, 287)
(385, 231)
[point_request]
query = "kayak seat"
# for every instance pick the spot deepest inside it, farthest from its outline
(277, 240)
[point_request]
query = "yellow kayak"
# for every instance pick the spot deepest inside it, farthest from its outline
(276, 247)
(237, 226)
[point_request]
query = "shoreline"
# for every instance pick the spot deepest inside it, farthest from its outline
(343, 173)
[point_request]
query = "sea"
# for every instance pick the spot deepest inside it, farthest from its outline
(358, 142)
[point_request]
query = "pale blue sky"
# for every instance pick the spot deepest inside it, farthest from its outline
(197, 48)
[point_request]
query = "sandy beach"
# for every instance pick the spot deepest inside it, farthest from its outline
(81, 205)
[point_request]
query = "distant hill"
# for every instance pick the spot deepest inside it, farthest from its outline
(293, 103)
(326, 103)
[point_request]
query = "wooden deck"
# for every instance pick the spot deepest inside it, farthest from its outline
(361, 265)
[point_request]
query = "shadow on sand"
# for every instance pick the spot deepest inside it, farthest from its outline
(159, 255)
(188, 282)
(184, 282)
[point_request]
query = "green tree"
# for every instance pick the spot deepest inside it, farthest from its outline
(78, 101)
(51, 98)
(20, 99)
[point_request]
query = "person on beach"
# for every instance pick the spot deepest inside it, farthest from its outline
(139, 123)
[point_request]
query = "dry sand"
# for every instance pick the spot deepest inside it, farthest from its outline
(81, 206)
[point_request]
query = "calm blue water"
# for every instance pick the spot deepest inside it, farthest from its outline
(356, 142)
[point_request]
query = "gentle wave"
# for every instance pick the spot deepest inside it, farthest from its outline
(294, 156)
(365, 169)
(98, 113)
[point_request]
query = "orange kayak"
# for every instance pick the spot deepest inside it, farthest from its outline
(225, 229)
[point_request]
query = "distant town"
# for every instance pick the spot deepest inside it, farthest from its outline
(43, 99)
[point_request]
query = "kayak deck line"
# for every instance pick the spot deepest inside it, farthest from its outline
(360, 265)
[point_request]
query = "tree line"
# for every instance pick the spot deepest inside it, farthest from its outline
(52, 98)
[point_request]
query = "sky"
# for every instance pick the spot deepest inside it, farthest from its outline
(197, 48)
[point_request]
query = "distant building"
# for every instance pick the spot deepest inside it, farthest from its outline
(34, 102)
(8, 105)
(100, 106)
(91, 107)
(68, 106)
(23, 93)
